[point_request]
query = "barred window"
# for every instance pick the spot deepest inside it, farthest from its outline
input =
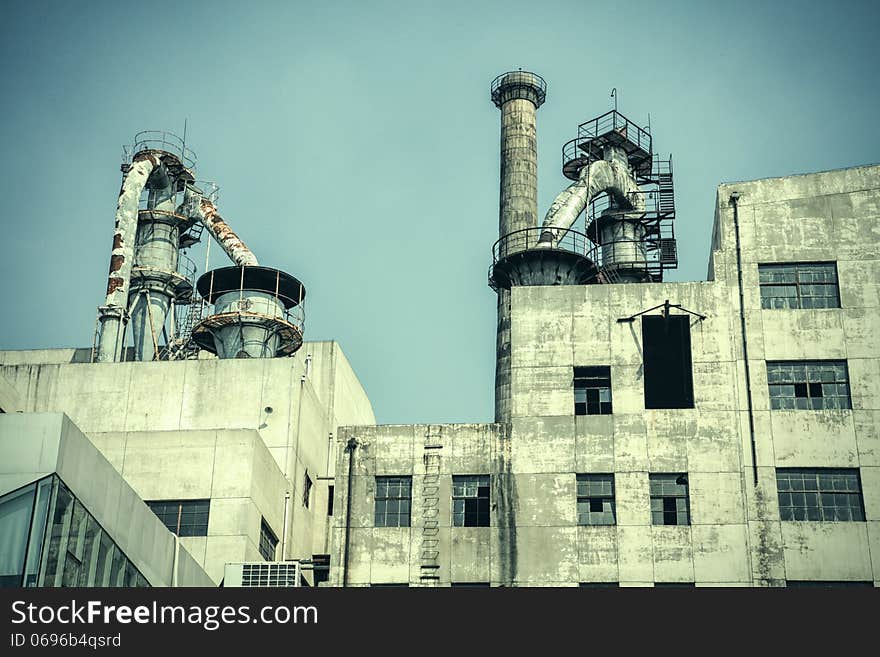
(470, 501)
(393, 501)
(799, 285)
(669, 499)
(821, 494)
(183, 517)
(268, 541)
(595, 499)
(808, 384)
(592, 390)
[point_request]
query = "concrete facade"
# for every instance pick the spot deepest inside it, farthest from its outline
(243, 433)
(36, 445)
(735, 536)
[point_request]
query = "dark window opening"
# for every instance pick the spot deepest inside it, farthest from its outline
(470, 585)
(670, 504)
(666, 348)
(827, 584)
(592, 390)
(183, 517)
(470, 501)
(307, 490)
(330, 491)
(268, 541)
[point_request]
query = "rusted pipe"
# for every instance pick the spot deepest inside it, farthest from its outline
(111, 314)
(231, 243)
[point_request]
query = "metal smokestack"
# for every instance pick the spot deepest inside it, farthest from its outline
(518, 94)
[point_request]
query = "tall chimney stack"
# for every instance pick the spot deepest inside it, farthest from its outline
(518, 94)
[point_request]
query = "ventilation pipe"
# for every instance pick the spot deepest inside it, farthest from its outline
(206, 212)
(610, 175)
(112, 315)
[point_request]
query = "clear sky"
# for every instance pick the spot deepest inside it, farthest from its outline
(356, 146)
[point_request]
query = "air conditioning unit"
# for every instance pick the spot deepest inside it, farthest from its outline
(263, 574)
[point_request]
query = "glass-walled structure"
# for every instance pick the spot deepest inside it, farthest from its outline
(48, 538)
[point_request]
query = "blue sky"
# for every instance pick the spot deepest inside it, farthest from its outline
(356, 146)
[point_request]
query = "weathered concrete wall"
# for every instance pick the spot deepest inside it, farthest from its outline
(183, 410)
(232, 468)
(735, 537)
(35, 445)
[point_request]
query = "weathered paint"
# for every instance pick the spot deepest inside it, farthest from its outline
(231, 243)
(122, 255)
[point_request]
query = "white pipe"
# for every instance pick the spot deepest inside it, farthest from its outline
(599, 177)
(122, 257)
(205, 211)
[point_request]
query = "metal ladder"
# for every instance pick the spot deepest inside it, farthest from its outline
(430, 547)
(182, 346)
(609, 275)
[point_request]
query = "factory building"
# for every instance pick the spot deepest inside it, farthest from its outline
(723, 432)
(716, 433)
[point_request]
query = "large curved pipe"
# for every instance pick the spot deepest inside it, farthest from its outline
(601, 176)
(206, 212)
(122, 256)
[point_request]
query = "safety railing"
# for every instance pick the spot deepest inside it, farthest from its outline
(526, 239)
(160, 140)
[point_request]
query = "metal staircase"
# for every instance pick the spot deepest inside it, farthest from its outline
(182, 346)
(430, 546)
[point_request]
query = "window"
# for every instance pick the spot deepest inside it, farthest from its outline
(799, 285)
(393, 501)
(823, 494)
(307, 490)
(674, 585)
(826, 584)
(808, 384)
(595, 499)
(666, 349)
(470, 501)
(268, 541)
(599, 585)
(669, 499)
(592, 390)
(469, 585)
(183, 517)
(330, 492)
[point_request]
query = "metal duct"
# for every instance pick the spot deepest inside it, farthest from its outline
(232, 245)
(122, 257)
(609, 175)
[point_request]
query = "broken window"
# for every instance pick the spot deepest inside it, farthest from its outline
(592, 390)
(595, 499)
(666, 349)
(799, 285)
(268, 541)
(669, 499)
(307, 490)
(393, 501)
(808, 384)
(470, 501)
(820, 494)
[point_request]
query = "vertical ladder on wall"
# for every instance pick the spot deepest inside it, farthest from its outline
(666, 202)
(430, 546)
